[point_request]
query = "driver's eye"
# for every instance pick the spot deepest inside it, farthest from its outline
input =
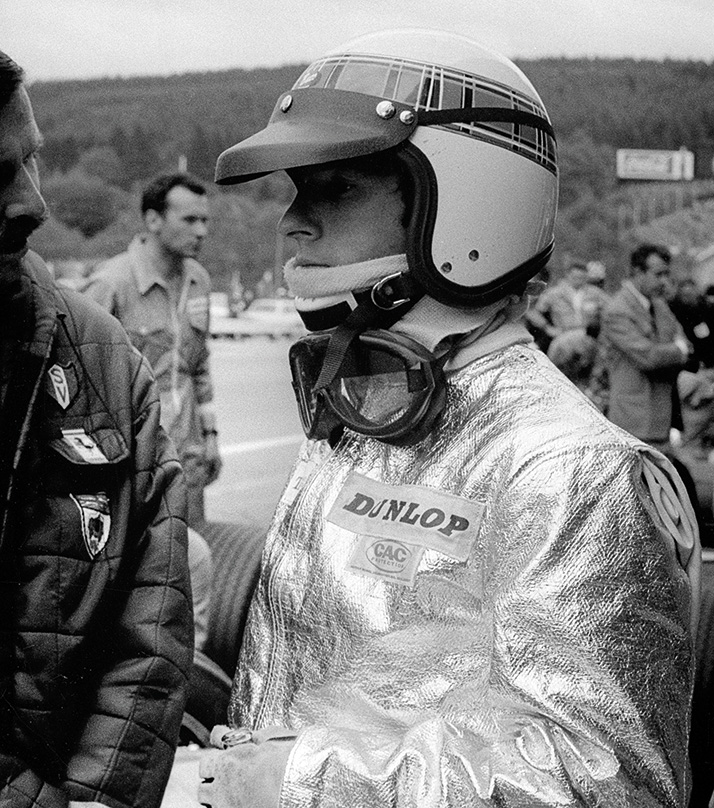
(336, 187)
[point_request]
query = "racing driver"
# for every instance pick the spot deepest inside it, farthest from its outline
(475, 591)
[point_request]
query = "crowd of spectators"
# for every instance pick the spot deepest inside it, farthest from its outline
(643, 353)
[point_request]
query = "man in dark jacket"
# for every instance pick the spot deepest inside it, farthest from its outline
(95, 607)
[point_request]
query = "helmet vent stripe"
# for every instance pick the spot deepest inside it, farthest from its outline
(429, 87)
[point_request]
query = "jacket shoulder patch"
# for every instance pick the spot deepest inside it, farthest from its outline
(62, 384)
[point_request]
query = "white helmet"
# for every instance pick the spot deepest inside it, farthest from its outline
(469, 126)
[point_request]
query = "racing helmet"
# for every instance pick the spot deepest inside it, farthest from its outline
(476, 139)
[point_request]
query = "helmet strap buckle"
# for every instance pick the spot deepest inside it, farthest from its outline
(392, 291)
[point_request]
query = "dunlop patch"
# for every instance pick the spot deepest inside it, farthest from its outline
(413, 514)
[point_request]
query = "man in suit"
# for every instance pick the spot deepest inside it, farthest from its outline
(645, 349)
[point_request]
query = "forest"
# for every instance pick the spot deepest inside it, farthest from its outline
(105, 138)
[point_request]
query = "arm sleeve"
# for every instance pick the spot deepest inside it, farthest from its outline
(101, 292)
(539, 313)
(23, 788)
(644, 353)
(126, 750)
(202, 378)
(586, 617)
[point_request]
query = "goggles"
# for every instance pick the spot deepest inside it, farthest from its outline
(384, 385)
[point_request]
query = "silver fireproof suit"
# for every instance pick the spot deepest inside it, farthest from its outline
(500, 615)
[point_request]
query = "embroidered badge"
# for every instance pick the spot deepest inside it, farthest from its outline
(413, 514)
(84, 446)
(96, 520)
(62, 384)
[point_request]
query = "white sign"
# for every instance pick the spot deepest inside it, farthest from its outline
(655, 164)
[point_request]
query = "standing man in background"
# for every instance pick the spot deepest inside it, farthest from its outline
(645, 350)
(95, 622)
(160, 293)
(570, 305)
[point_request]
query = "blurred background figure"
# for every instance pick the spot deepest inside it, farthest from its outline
(565, 322)
(578, 356)
(645, 350)
(596, 274)
(696, 316)
(160, 293)
(572, 304)
(695, 385)
(596, 298)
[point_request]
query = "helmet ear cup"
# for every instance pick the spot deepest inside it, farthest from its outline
(461, 219)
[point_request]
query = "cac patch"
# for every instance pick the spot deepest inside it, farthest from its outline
(95, 519)
(62, 384)
(396, 561)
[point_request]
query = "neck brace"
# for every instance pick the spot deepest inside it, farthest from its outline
(432, 324)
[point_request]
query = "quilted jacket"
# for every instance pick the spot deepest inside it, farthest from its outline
(95, 607)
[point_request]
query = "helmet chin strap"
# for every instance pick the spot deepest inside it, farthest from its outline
(390, 299)
(325, 295)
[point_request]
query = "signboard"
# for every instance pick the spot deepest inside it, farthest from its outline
(655, 164)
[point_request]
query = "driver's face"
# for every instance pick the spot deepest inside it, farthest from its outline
(344, 215)
(22, 208)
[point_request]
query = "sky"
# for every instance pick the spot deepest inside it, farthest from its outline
(61, 39)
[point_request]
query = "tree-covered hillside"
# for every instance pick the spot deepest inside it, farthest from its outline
(104, 138)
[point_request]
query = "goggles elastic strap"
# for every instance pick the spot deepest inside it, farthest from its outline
(476, 115)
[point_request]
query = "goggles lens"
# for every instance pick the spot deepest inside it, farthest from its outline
(382, 388)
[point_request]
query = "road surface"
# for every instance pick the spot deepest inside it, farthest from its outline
(259, 428)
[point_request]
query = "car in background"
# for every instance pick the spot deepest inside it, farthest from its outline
(219, 305)
(273, 317)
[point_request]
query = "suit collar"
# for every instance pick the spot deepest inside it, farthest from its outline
(643, 300)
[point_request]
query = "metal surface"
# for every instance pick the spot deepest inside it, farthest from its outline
(545, 660)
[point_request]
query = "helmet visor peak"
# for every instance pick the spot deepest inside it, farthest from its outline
(310, 127)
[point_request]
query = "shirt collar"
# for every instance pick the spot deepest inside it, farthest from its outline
(146, 272)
